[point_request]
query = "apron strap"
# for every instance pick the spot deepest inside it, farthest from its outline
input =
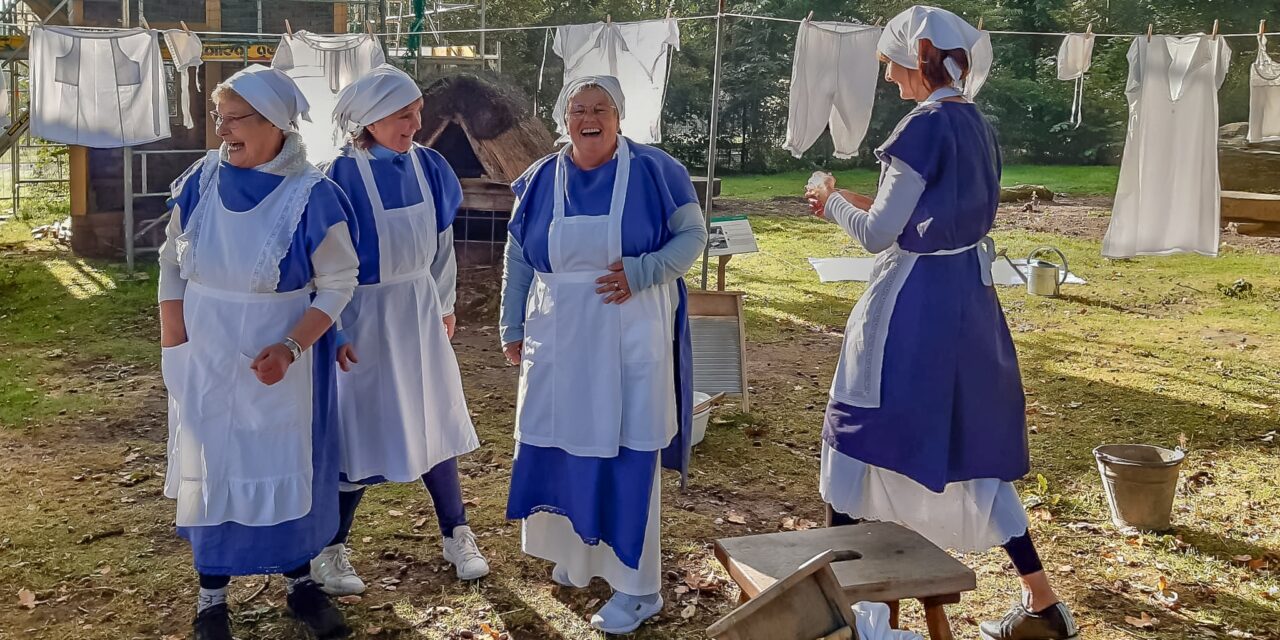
(617, 202)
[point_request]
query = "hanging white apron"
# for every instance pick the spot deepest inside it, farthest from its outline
(857, 379)
(239, 450)
(594, 377)
(402, 409)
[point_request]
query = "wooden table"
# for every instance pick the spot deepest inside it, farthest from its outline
(894, 563)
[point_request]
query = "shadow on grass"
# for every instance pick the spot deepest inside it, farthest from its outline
(1240, 614)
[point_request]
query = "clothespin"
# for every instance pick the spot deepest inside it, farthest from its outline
(879, 20)
(368, 27)
(287, 28)
(143, 21)
(1262, 28)
(1150, 28)
(608, 18)
(1215, 31)
(1089, 31)
(668, 12)
(809, 17)
(184, 26)
(981, 21)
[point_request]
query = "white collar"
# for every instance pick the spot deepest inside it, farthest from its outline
(941, 94)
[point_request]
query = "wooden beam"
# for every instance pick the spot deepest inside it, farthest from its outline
(340, 17)
(78, 158)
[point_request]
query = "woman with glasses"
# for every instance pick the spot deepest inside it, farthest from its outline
(403, 416)
(593, 312)
(257, 264)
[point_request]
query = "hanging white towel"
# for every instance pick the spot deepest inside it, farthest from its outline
(1264, 96)
(833, 82)
(323, 65)
(637, 54)
(980, 60)
(1075, 56)
(1167, 197)
(100, 89)
(185, 50)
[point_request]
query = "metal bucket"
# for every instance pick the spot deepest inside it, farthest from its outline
(1140, 481)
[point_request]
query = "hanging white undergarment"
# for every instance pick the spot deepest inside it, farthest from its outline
(833, 84)
(980, 59)
(185, 50)
(1167, 199)
(100, 89)
(1075, 56)
(637, 54)
(1264, 96)
(5, 118)
(323, 66)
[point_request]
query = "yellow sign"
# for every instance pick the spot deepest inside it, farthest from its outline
(257, 52)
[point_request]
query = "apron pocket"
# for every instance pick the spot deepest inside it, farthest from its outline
(647, 326)
(276, 407)
(173, 367)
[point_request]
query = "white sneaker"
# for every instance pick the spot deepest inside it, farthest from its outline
(333, 570)
(624, 613)
(462, 552)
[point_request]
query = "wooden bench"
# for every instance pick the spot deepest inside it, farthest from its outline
(892, 563)
(806, 605)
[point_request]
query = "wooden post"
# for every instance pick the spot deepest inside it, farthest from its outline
(724, 260)
(78, 158)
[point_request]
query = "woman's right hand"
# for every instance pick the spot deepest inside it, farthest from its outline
(347, 357)
(512, 351)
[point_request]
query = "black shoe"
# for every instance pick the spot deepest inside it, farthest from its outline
(1054, 623)
(214, 623)
(312, 607)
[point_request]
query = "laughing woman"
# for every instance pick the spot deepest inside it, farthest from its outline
(257, 264)
(403, 414)
(593, 312)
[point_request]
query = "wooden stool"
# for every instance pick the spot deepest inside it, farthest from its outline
(892, 563)
(806, 605)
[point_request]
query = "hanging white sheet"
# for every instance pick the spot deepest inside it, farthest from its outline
(637, 54)
(833, 83)
(100, 89)
(1264, 96)
(185, 50)
(1167, 197)
(323, 65)
(1075, 56)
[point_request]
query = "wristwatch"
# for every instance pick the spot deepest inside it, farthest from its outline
(294, 348)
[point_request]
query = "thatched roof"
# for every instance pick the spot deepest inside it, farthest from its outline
(504, 135)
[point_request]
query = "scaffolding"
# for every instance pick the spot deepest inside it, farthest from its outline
(33, 163)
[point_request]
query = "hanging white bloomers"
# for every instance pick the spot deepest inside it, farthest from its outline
(100, 89)
(833, 83)
(1075, 56)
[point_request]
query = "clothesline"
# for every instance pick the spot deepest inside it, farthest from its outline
(1010, 33)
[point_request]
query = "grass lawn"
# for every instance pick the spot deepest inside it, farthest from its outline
(1150, 351)
(1073, 180)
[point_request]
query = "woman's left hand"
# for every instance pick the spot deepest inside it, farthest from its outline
(450, 325)
(614, 287)
(272, 363)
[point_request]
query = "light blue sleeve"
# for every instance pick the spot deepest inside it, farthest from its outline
(517, 277)
(689, 238)
(444, 269)
(879, 228)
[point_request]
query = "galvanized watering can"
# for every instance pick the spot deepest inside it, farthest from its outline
(1044, 278)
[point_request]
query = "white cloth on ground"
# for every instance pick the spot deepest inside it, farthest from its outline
(1264, 96)
(969, 516)
(551, 537)
(383, 91)
(1075, 56)
(833, 82)
(186, 51)
(878, 229)
(872, 620)
(1167, 198)
(101, 89)
(636, 53)
(322, 66)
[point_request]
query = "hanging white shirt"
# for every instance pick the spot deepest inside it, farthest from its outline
(1264, 96)
(1167, 197)
(185, 50)
(637, 54)
(100, 89)
(323, 65)
(1075, 56)
(833, 83)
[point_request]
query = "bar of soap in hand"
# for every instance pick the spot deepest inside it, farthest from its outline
(818, 179)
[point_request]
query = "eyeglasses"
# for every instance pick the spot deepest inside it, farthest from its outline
(231, 121)
(599, 112)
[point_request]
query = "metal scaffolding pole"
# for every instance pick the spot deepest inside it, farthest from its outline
(128, 173)
(711, 146)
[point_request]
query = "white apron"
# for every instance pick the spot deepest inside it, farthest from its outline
(239, 450)
(857, 379)
(402, 409)
(594, 377)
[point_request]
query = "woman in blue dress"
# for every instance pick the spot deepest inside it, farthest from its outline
(593, 311)
(402, 413)
(926, 423)
(257, 264)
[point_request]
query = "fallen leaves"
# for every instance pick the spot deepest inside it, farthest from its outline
(26, 599)
(1145, 621)
(796, 524)
(735, 518)
(689, 611)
